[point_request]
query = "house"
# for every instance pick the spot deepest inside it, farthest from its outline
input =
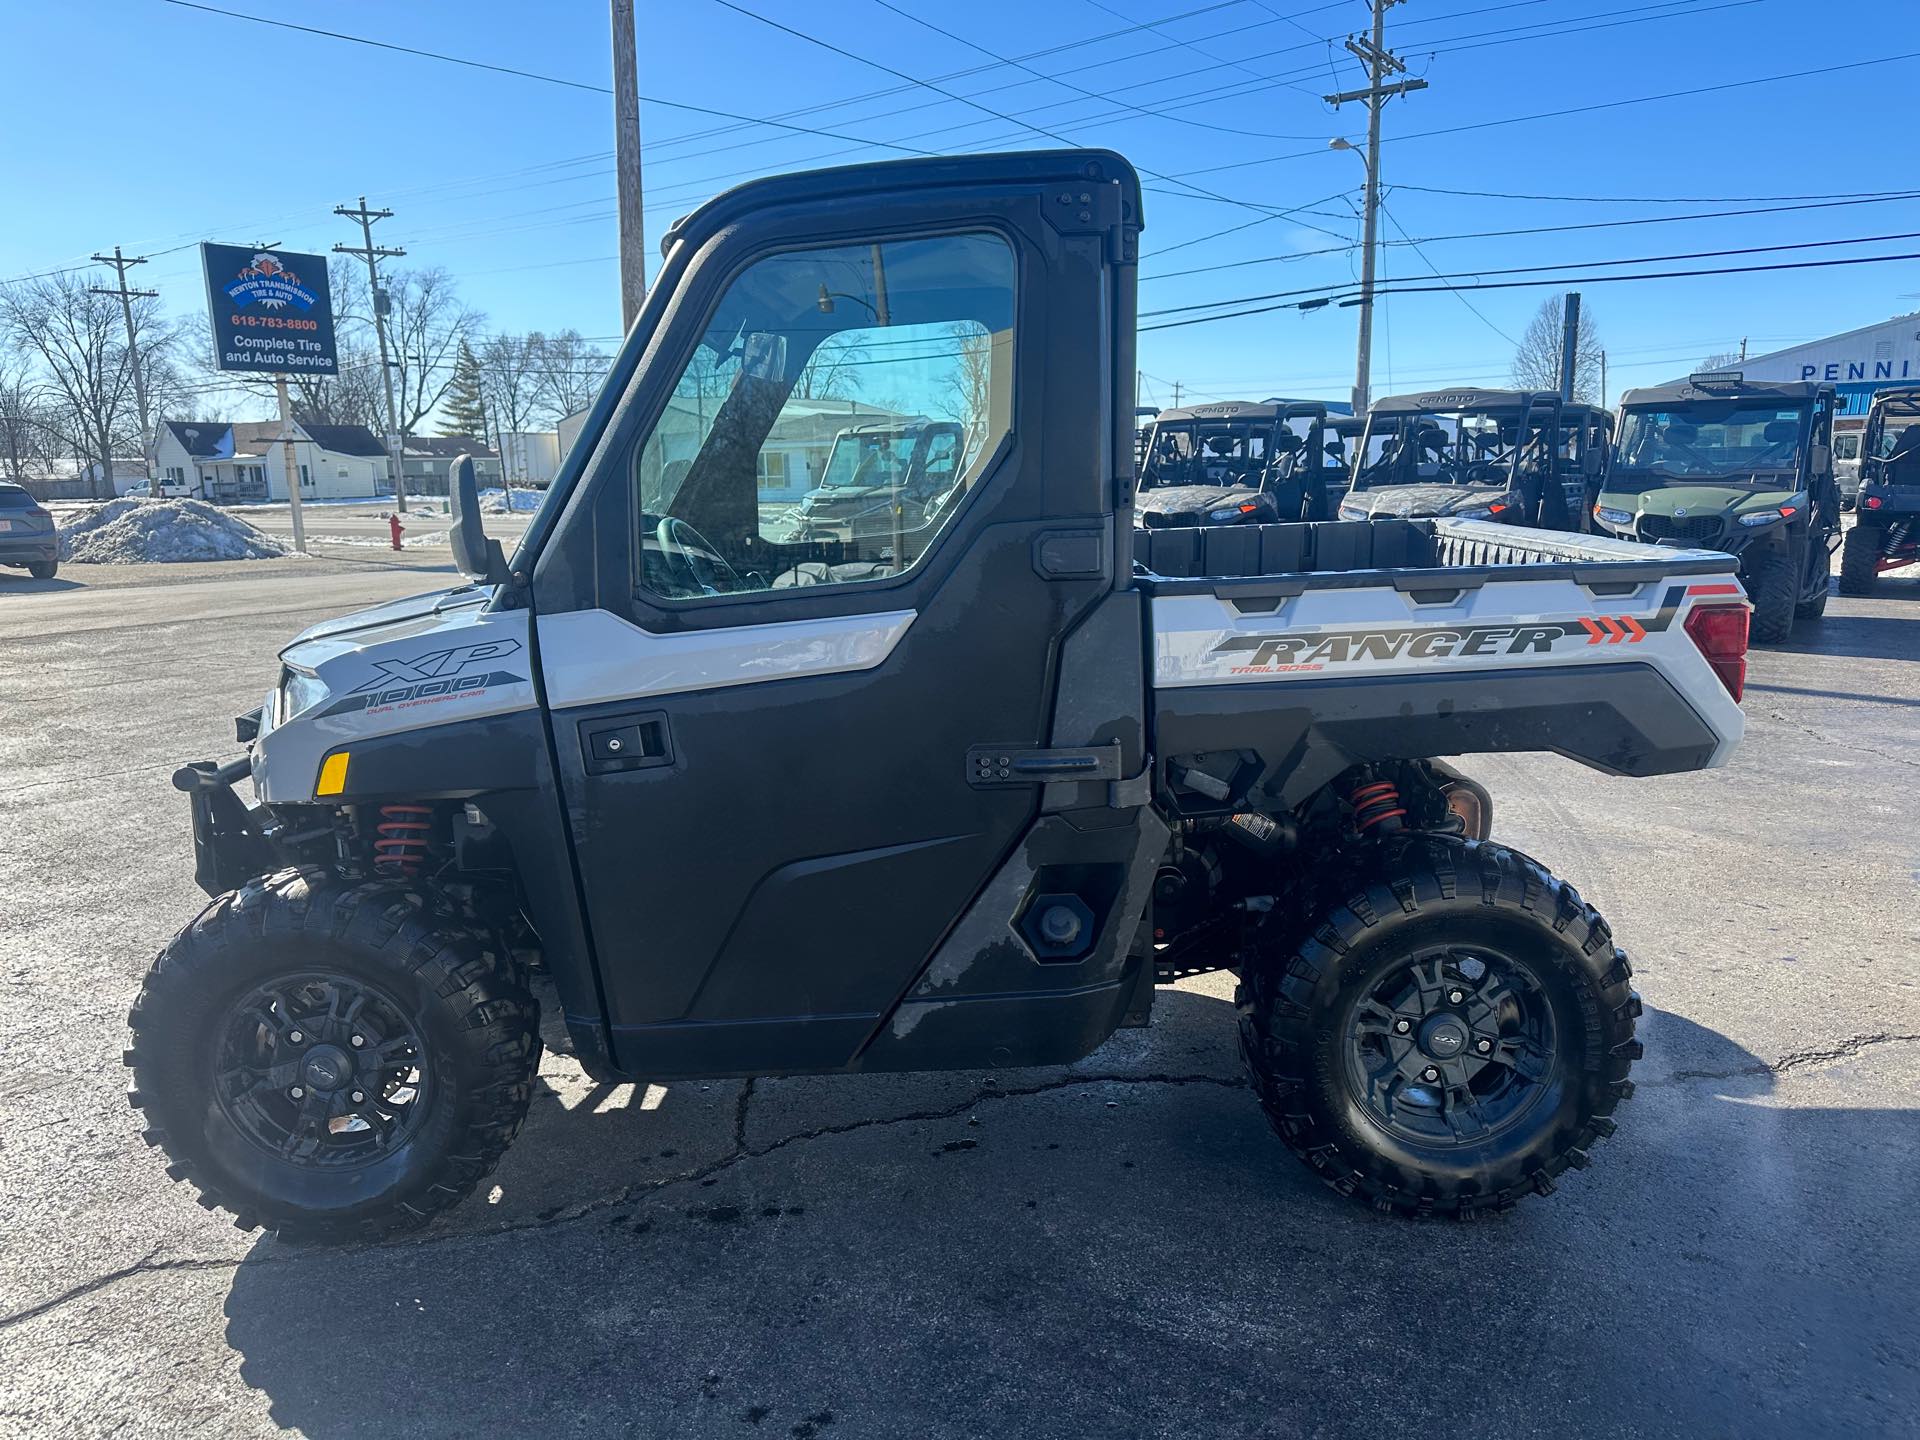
(126, 474)
(246, 460)
(428, 459)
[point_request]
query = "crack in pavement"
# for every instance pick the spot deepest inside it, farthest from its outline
(1839, 744)
(1792, 1060)
(553, 1219)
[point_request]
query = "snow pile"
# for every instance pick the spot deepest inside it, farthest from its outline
(499, 502)
(133, 532)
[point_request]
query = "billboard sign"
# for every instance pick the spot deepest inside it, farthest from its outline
(271, 311)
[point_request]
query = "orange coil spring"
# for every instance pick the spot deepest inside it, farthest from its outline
(1376, 804)
(402, 842)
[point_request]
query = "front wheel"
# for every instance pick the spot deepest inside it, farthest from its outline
(1775, 586)
(1453, 1035)
(329, 1061)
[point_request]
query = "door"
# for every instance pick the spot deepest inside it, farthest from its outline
(765, 742)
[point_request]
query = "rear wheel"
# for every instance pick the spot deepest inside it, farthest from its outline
(43, 569)
(1860, 560)
(1454, 1035)
(1775, 587)
(331, 1062)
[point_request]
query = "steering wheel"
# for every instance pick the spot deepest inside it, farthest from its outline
(703, 562)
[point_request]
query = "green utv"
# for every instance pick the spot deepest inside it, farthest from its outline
(1886, 524)
(1745, 467)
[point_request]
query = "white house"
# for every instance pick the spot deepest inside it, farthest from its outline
(246, 460)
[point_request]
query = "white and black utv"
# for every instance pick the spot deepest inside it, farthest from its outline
(1238, 462)
(954, 797)
(1886, 521)
(1517, 457)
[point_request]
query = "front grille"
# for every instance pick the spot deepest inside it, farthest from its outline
(1694, 529)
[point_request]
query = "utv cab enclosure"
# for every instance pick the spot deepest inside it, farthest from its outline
(956, 795)
(1741, 466)
(1886, 521)
(1237, 462)
(1518, 457)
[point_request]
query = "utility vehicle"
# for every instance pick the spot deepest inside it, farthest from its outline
(1886, 521)
(1238, 462)
(1519, 457)
(1740, 466)
(881, 475)
(958, 798)
(28, 536)
(1846, 460)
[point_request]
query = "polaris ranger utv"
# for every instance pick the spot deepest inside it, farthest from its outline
(958, 798)
(879, 476)
(1743, 467)
(1886, 521)
(1519, 457)
(1237, 462)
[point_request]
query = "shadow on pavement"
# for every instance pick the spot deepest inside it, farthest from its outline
(1135, 1257)
(1863, 637)
(19, 582)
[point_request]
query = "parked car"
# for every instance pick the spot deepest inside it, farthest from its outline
(28, 536)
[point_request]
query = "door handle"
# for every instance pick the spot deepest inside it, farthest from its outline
(613, 744)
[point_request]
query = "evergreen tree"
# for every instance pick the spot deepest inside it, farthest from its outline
(464, 411)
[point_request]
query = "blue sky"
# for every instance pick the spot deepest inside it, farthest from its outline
(151, 125)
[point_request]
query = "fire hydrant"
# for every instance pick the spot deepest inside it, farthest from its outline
(393, 524)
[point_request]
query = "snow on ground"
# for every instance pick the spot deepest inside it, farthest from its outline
(499, 502)
(132, 532)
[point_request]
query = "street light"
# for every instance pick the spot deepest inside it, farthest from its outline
(1363, 360)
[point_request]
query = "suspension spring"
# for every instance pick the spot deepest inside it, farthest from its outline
(402, 842)
(1377, 803)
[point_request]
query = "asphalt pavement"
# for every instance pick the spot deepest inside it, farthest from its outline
(1117, 1248)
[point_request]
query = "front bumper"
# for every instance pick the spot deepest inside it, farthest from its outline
(230, 846)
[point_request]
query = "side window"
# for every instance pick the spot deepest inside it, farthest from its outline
(840, 405)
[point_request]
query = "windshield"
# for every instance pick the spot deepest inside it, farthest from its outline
(1188, 452)
(1719, 439)
(1454, 448)
(871, 459)
(1847, 446)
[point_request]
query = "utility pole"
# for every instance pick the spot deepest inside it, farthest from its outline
(1569, 343)
(1176, 394)
(626, 149)
(1380, 62)
(373, 254)
(121, 264)
(1743, 349)
(1603, 379)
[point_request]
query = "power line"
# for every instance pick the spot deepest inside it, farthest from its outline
(1662, 199)
(1561, 280)
(1478, 314)
(1331, 290)
(1590, 109)
(1546, 230)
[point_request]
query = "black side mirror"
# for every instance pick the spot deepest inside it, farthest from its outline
(478, 557)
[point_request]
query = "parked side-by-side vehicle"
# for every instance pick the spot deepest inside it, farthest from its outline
(958, 799)
(1241, 463)
(1886, 522)
(1744, 467)
(1518, 457)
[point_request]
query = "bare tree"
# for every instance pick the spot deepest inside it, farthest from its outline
(79, 340)
(1536, 364)
(511, 378)
(1725, 360)
(832, 371)
(24, 423)
(572, 372)
(425, 328)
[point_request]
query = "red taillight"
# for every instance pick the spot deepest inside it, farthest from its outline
(1873, 502)
(1720, 633)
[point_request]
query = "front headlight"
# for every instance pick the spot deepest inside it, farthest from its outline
(1767, 517)
(1607, 515)
(299, 690)
(1352, 512)
(1478, 512)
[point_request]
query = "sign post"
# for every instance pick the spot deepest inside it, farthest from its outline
(272, 314)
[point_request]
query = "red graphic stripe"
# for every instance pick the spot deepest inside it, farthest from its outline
(1713, 590)
(1636, 632)
(1594, 633)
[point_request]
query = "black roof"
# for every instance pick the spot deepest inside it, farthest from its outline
(199, 437)
(1224, 410)
(444, 445)
(1905, 399)
(1077, 168)
(1459, 398)
(1786, 392)
(345, 439)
